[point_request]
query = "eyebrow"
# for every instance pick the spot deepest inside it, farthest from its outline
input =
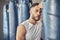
(41, 8)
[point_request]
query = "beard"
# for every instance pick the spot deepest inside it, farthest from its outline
(36, 18)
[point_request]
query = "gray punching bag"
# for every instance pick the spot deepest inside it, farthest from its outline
(23, 10)
(44, 14)
(51, 19)
(13, 22)
(5, 22)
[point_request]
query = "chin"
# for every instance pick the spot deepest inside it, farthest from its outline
(37, 19)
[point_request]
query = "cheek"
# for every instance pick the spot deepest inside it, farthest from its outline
(33, 14)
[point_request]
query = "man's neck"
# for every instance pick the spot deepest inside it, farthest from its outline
(32, 21)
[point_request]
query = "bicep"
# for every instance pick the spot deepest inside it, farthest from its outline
(20, 35)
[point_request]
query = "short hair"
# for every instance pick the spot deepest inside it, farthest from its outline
(33, 5)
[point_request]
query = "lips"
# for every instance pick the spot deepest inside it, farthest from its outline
(37, 16)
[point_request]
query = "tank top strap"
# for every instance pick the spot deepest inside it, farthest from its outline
(26, 24)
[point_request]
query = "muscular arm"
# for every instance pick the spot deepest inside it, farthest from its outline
(20, 35)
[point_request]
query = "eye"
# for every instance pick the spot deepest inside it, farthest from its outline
(36, 10)
(40, 10)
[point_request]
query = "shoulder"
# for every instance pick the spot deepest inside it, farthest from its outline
(24, 22)
(21, 28)
(20, 32)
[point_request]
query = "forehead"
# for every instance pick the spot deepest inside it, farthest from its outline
(37, 8)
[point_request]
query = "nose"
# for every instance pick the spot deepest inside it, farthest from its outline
(38, 13)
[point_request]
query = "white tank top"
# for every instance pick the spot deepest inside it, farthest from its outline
(33, 31)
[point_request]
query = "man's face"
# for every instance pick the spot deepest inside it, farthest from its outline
(36, 12)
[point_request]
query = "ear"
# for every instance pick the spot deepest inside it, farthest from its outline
(30, 11)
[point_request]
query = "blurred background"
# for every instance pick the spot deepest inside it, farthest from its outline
(4, 20)
(13, 12)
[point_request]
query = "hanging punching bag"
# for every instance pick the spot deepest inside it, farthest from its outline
(44, 14)
(5, 23)
(23, 10)
(51, 19)
(13, 22)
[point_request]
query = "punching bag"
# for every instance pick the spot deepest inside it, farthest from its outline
(44, 14)
(51, 19)
(5, 22)
(23, 10)
(13, 20)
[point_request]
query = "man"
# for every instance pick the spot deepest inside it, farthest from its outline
(31, 28)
